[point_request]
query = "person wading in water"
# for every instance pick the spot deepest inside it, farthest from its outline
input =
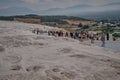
(103, 40)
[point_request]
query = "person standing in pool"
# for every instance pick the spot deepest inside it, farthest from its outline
(103, 40)
(92, 37)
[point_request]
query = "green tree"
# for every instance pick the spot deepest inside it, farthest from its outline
(108, 29)
(80, 25)
(85, 27)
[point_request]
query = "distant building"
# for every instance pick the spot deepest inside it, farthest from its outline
(28, 20)
(100, 24)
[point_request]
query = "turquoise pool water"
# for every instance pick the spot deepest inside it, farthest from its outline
(112, 45)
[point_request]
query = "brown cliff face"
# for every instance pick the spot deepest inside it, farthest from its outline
(28, 20)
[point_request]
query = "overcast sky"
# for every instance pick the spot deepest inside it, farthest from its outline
(47, 4)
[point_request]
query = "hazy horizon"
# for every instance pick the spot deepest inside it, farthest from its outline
(57, 7)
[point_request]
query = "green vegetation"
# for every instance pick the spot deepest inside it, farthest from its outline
(108, 29)
(57, 19)
(8, 18)
(83, 26)
(117, 35)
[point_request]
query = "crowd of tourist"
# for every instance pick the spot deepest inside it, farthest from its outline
(81, 35)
